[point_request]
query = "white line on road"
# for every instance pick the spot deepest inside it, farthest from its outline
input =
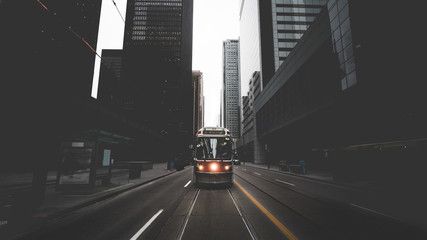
(285, 182)
(146, 225)
(259, 174)
(187, 183)
(373, 211)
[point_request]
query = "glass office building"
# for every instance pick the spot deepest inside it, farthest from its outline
(249, 41)
(283, 22)
(290, 19)
(231, 86)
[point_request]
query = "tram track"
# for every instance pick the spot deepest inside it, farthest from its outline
(326, 224)
(276, 199)
(187, 216)
(337, 220)
(189, 212)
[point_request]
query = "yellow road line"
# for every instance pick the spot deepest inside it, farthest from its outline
(282, 227)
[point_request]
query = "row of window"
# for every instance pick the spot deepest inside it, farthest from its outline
(159, 9)
(291, 26)
(311, 2)
(153, 43)
(293, 10)
(295, 18)
(157, 28)
(151, 33)
(158, 4)
(156, 18)
(144, 11)
(163, 23)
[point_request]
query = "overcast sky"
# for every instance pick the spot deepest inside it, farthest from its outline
(214, 21)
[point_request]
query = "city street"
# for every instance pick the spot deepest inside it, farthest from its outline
(262, 204)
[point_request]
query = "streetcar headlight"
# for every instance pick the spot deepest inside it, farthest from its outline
(200, 167)
(214, 166)
(227, 167)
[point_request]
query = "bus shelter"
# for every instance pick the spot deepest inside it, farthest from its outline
(86, 160)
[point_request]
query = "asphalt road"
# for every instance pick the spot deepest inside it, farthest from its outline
(260, 205)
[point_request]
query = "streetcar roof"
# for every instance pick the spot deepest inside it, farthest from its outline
(213, 132)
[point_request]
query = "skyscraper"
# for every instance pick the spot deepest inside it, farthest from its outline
(231, 86)
(278, 26)
(157, 57)
(198, 109)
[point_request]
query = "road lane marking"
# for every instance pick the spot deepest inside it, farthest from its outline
(282, 227)
(285, 182)
(187, 183)
(146, 225)
(373, 211)
(259, 174)
(245, 221)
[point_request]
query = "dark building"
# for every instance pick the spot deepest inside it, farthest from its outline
(47, 60)
(157, 57)
(198, 99)
(282, 24)
(349, 96)
(251, 149)
(110, 80)
(46, 67)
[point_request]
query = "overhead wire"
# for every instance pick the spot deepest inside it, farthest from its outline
(118, 11)
(71, 30)
(74, 32)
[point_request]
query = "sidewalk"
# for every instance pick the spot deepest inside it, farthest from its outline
(59, 203)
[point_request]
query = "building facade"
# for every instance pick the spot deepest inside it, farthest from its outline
(198, 109)
(110, 77)
(250, 146)
(45, 65)
(341, 100)
(249, 26)
(269, 31)
(157, 61)
(283, 22)
(231, 86)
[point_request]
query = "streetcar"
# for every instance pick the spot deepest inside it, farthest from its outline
(213, 157)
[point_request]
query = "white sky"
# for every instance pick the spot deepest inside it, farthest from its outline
(214, 21)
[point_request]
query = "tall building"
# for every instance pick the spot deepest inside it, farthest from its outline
(46, 61)
(269, 31)
(249, 42)
(110, 77)
(231, 86)
(290, 19)
(198, 109)
(157, 61)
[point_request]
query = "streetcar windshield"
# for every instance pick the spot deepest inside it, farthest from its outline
(214, 148)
